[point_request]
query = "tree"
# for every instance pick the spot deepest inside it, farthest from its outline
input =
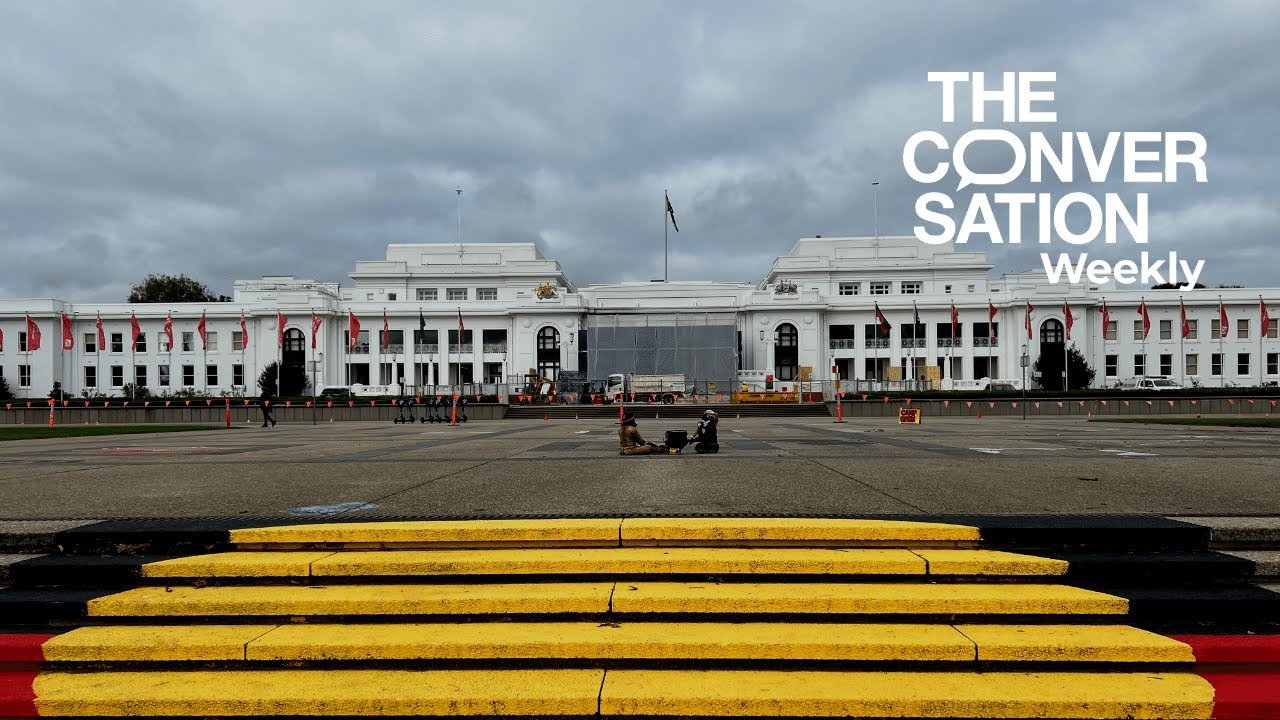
(57, 393)
(134, 391)
(1079, 373)
(1175, 286)
(172, 289)
(5, 392)
(293, 383)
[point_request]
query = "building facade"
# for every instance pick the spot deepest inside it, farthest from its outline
(495, 313)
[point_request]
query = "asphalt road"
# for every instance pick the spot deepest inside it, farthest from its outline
(789, 466)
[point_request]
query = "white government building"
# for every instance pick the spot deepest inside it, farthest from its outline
(814, 309)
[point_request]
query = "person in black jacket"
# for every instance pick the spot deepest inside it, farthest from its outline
(264, 402)
(704, 438)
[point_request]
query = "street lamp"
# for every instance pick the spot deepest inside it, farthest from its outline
(1025, 362)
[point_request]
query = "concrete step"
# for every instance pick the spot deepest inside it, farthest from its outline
(642, 411)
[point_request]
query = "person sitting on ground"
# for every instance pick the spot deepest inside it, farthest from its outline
(629, 440)
(704, 438)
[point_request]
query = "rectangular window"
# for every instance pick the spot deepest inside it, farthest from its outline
(1242, 363)
(164, 376)
(362, 341)
(1166, 364)
(1113, 365)
(162, 342)
(213, 340)
(971, 287)
(1137, 329)
(1215, 329)
(91, 342)
(912, 287)
(1139, 365)
(117, 342)
(427, 294)
(1111, 330)
(1166, 329)
(1215, 364)
(1271, 329)
(1242, 329)
(24, 376)
(210, 375)
(237, 375)
(391, 296)
(1193, 364)
(22, 342)
(90, 376)
(237, 340)
(117, 376)
(456, 294)
(487, 294)
(141, 345)
(881, 288)
(1273, 363)
(946, 289)
(453, 338)
(188, 375)
(140, 375)
(849, 288)
(188, 342)
(1193, 329)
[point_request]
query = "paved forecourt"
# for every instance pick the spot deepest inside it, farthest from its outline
(783, 466)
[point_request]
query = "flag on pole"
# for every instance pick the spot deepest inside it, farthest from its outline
(353, 330)
(136, 329)
(315, 328)
(955, 322)
(991, 322)
(1146, 319)
(885, 327)
(1106, 319)
(1066, 311)
(671, 212)
(102, 335)
(168, 330)
(33, 335)
(67, 341)
(1027, 322)
(1266, 319)
(202, 328)
(281, 320)
(422, 327)
(1186, 326)
(1223, 322)
(1, 339)
(244, 334)
(461, 328)
(386, 331)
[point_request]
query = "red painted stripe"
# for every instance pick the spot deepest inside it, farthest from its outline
(17, 694)
(1233, 648)
(22, 647)
(1245, 696)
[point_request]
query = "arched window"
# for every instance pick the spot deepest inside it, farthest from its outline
(1051, 331)
(548, 352)
(294, 341)
(786, 352)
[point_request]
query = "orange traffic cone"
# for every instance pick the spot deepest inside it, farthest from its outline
(544, 417)
(979, 414)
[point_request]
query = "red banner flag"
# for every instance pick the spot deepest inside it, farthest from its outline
(281, 320)
(386, 332)
(315, 328)
(991, 322)
(1027, 322)
(33, 335)
(1146, 319)
(354, 330)
(1066, 312)
(135, 331)
(68, 341)
(1186, 326)
(202, 328)
(955, 322)
(1223, 322)
(102, 335)
(1, 339)
(1266, 319)
(168, 330)
(1106, 319)
(244, 333)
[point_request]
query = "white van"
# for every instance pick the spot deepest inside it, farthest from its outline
(1150, 382)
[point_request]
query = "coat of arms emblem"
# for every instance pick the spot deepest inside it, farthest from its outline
(546, 291)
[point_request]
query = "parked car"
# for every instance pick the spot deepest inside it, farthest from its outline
(337, 392)
(1150, 382)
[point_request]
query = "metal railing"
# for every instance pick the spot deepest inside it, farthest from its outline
(880, 343)
(844, 345)
(495, 347)
(986, 342)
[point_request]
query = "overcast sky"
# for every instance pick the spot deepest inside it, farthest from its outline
(228, 140)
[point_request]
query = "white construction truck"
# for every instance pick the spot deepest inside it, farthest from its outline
(667, 388)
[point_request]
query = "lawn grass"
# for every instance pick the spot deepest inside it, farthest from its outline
(37, 432)
(1222, 421)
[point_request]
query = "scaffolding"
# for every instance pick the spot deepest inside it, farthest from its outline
(704, 347)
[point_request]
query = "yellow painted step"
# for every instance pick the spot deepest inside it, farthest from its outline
(606, 561)
(863, 598)
(639, 597)
(356, 600)
(441, 533)
(320, 692)
(612, 532)
(1078, 643)
(625, 693)
(792, 531)
(902, 694)
(152, 643)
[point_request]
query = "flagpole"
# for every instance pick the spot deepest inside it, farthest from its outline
(664, 235)
(1222, 355)
(1262, 332)
(1182, 357)
(1066, 377)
